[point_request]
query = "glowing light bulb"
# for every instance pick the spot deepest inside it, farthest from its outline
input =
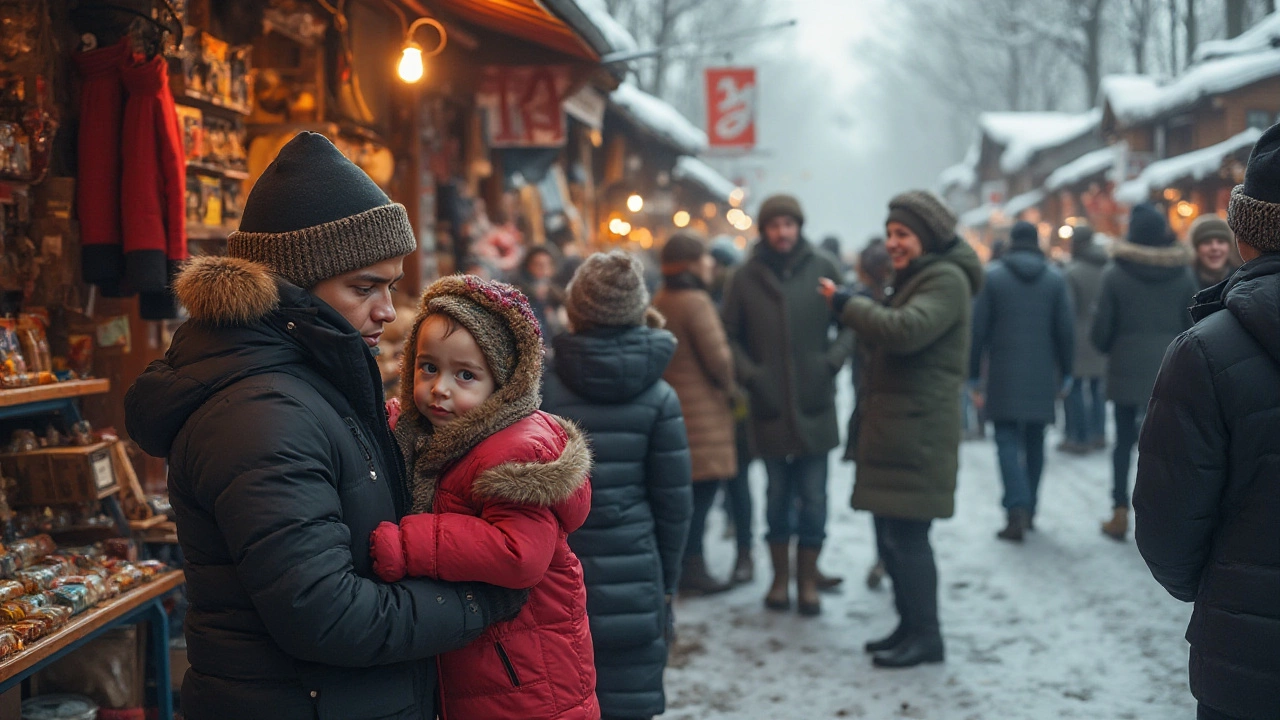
(1066, 231)
(635, 203)
(681, 219)
(411, 69)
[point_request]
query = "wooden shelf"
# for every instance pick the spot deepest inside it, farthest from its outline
(203, 101)
(57, 391)
(211, 169)
(87, 623)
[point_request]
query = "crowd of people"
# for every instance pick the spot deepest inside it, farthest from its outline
(507, 535)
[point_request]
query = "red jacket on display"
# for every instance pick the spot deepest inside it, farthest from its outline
(502, 515)
(154, 179)
(98, 164)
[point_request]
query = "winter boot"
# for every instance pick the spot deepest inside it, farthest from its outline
(889, 642)
(744, 568)
(1118, 526)
(810, 604)
(875, 576)
(1016, 526)
(695, 581)
(915, 587)
(779, 597)
(917, 649)
(828, 583)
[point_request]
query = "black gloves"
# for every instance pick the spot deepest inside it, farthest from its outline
(839, 300)
(497, 604)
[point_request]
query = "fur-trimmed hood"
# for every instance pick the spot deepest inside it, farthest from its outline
(226, 291)
(1151, 263)
(544, 483)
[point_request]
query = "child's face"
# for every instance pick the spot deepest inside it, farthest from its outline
(452, 376)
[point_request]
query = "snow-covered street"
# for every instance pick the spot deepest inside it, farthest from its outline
(1068, 625)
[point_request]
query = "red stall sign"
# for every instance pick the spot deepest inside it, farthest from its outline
(523, 105)
(731, 107)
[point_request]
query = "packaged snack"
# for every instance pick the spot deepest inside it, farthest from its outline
(192, 122)
(29, 550)
(40, 577)
(80, 354)
(126, 578)
(33, 602)
(10, 643)
(76, 597)
(94, 584)
(29, 630)
(151, 568)
(11, 612)
(33, 335)
(12, 590)
(8, 565)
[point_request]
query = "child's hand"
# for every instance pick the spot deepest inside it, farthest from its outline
(387, 550)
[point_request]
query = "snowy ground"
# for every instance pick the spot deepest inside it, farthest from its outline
(1068, 625)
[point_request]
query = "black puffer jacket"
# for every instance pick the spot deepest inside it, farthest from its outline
(281, 465)
(609, 382)
(1207, 500)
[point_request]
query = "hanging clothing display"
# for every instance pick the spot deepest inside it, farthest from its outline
(98, 165)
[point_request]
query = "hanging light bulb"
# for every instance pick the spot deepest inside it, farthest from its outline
(412, 68)
(635, 203)
(681, 218)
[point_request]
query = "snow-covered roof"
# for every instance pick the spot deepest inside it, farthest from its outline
(658, 118)
(1023, 134)
(694, 170)
(1087, 165)
(964, 174)
(1134, 99)
(978, 217)
(591, 20)
(1025, 201)
(1262, 36)
(1195, 165)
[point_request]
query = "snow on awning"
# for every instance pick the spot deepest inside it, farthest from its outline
(978, 217)
(592, 21)
(1085, 166)
(659, 119)
(697, 172)
(1135, 99)
(1262, 36)
(964, 174)
(1195, 165)
(1023, 134)
(1025, 201)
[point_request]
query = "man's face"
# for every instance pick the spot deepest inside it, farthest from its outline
(363, 296)
(782, 233)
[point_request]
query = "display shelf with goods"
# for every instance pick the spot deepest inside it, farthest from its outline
(57, 392)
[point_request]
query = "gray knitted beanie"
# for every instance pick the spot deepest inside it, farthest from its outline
(607, 291)
(927, 216)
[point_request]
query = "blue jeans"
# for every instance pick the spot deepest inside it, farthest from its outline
(1129, 420)
(1086, 411)
(797, 500)
(1020, 449)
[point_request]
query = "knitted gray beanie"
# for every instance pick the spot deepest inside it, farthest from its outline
(608, 290)
(927, 216)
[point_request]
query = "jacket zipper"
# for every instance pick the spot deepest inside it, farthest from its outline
(506, 663)
(368, 456)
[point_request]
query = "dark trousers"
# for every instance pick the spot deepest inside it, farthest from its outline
(908, 559)
(797, 500)
(1020, 449)
(704, 496)
(737, 502)
(1086, 410)
(1204, 712)
(1128, 424)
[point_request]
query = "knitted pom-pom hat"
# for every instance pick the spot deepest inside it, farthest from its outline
(608, 290)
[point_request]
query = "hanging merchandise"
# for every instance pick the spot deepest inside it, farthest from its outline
(98, 189)
(153, 187)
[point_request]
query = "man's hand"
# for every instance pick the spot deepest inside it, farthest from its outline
(827, 289)
(836, 298)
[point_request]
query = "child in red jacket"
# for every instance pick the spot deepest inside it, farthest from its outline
(498, 485)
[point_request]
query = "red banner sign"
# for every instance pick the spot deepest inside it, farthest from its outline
(523, 105)
(731, 107)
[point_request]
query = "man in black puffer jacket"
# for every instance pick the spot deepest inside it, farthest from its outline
(608, 379)
(1207, 501)
(269, 409)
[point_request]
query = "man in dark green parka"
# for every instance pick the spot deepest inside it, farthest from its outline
(787, 354)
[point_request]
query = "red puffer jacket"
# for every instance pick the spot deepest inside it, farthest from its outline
(502, 515)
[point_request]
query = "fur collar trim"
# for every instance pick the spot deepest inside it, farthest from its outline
(1167, 256)
(226, 291)
(542, 484)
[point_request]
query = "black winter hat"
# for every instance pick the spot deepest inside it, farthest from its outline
(1024, 236)
(313, 214)
(683, 248)
(1081, 239)
(777, 206)
(1254, 211)
(1147, 226)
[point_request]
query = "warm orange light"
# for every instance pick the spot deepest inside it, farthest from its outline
(681, 219)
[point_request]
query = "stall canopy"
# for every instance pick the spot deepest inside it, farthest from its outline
(1135, 99)
(693, 170)
(658, 119)
(577, 28)
(1195, 166)
(1082, 168)
(1023, 202)
(1263, 36)
(979, 217)
(1023, 134)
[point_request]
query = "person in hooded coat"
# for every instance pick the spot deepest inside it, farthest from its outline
(607, 378)
(1142, 307)
(908, 429)
(1206, 501)
(1086, 405)
(269, 408)
(1023, 324)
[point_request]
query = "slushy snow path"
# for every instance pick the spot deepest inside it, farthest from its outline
(1068, 625)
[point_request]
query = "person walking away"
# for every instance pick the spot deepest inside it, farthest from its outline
(269, 408)
(909, 428)
(701, 372)
(1086, 405)
(1206, 501)
(875, 272)
(497, 487)
(1023, 324)
(1142, 307)
(607, 378)
(1211, 237)
(786, 358)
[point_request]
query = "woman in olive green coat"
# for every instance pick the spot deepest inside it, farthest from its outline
(908, 426)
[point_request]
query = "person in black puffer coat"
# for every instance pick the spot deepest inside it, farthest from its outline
(269, 409)
(1206, 502)
(607, 378)
(1142, 307)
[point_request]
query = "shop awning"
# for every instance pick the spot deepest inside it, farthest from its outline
(692, 170)
(1023, 202)
(658, 119)
(979, 217)
(1195, 165)
(529, 20)
(1082, 168)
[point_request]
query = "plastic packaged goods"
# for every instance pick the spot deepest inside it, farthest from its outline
(55, 616)
(151, 569)
(11, 612)
(10, 643)
(96, 586)
(77, 598)
(12, 590)
(29, 630)
(126, 578)
(9, 564)
(33, 602)
(31, 549)
(40, 577)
